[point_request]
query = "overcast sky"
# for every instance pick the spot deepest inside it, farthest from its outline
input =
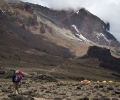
(107, 10)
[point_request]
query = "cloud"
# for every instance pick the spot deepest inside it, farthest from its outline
(107, 10)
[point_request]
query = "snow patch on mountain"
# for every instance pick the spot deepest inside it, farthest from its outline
(80, 36)
(75, 28)
(103, 27)
(77, 12)
(99, 35)
(2, 10)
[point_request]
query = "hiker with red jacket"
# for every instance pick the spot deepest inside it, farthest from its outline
(17, 77)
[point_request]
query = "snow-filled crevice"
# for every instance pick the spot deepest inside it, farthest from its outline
(80, 36)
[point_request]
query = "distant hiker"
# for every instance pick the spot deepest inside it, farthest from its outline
(17, 80)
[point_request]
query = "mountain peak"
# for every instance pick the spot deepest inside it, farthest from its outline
(80, 26)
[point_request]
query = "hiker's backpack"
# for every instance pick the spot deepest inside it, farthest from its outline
(17, 77)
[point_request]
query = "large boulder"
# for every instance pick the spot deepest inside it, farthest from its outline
(41, 77)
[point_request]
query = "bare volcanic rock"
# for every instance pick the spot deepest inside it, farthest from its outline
(64, 91)
(103, 55)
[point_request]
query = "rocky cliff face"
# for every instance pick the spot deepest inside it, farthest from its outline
(104, 56)
(85, 23)
(91, 27)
